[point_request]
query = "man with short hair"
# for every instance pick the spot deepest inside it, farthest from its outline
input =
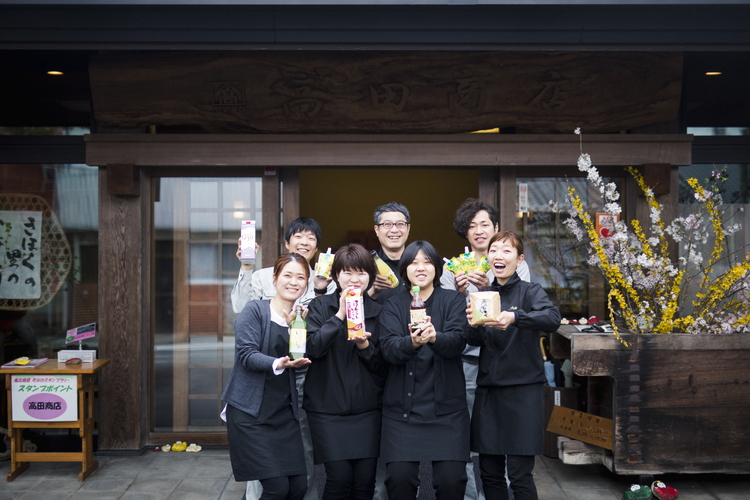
(392, 225)
(301, 237)
(477, 222)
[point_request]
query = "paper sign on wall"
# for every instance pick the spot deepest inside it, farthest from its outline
(44, 398)
(523, 197)
(20, 259)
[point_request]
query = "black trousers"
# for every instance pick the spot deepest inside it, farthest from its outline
(350, 479)
(284, 487)
(448, 479)
(520, 467)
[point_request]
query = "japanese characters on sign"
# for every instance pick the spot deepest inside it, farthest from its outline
(20, 259)
(44, 398)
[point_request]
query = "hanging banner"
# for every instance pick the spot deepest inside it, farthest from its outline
(20, 254)
(44, 398)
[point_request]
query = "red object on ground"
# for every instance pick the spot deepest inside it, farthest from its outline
(663, 492)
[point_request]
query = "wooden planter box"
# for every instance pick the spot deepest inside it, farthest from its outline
(682, 406)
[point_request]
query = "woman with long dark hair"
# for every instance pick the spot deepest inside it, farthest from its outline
(425, 416)
(344, 383)
(265, 442)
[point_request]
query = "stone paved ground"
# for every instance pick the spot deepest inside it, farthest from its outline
(207, 476)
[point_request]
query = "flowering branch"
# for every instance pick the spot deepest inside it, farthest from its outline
(649, 292)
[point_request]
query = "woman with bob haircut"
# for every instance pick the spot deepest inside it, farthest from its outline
(265, 442)
(344, 384)
(507, 424)
(425, 416)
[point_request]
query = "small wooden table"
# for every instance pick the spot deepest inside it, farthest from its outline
(86, 374)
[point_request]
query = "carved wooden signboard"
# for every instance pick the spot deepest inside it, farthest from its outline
(335, 92)
(585, 427)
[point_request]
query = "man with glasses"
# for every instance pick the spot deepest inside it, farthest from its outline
(392, 224)
(477, 222)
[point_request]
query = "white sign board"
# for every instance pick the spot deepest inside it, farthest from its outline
(44, 398)
(20, 259)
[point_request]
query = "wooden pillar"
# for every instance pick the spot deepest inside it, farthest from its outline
(124, 314)
(273, 241)
(290, 178)
(488, 185)
(507, 198)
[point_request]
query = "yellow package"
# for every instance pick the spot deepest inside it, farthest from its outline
(485, 306)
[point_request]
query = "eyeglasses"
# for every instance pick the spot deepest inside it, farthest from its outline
(389, 225)
(486, 226)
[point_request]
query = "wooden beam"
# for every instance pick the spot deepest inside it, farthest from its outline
(454, 150)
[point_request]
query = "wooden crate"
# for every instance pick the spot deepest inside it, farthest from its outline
(681, 406)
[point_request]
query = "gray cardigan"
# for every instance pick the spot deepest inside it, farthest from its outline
(245, 386)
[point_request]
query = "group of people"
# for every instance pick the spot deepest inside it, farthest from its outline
(370, 408)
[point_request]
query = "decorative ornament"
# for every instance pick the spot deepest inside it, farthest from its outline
(637, 492)
(663, 492)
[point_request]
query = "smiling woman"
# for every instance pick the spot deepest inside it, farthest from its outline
(265, 440)
(425, 416)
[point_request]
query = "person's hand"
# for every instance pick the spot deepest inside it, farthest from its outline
(423, 335)
(288, 363)
(318, 282)
(245, 267)
(470, 314)
(378, 285)
(461, 282)
(341, 313)
(361, 340)
(478, 279)
(290, 315)
(503, 321)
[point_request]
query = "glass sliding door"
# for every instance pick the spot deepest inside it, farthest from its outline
(556, 260)
(196, 228)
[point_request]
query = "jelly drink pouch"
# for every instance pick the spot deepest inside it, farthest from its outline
(355, 313)
(247, 242)
(325, 261)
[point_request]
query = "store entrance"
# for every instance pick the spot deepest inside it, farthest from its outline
(343, 199)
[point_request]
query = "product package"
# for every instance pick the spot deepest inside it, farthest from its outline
(247, 242)
(355, 313)
(325, 261)
(485, 307)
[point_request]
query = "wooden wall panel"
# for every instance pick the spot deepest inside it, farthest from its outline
(124, 318)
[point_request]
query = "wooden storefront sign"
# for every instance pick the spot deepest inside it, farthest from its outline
(585, 427)
(345, 92)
